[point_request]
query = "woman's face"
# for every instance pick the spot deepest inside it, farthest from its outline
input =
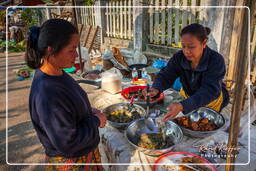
(67, 55)
(192, 48)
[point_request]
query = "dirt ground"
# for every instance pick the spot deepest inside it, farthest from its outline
(23, 144)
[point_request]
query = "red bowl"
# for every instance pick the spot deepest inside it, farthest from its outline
(125, 93)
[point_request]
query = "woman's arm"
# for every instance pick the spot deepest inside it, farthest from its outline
(166, 77)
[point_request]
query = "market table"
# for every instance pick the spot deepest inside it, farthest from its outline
(115, 148)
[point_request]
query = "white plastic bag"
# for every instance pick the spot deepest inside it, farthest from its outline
(111, 81)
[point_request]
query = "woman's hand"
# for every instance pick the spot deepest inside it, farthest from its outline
(103, 119)
(151, 93)
(174, 110)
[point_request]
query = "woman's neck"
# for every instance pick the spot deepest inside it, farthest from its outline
(195, 62)
(50, 69)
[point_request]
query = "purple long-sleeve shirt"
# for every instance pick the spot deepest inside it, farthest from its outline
(62, 116)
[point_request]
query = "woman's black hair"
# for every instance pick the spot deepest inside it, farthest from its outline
(197, 30)
(55, 33)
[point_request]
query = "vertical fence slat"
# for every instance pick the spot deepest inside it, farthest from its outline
(93, 16)
(114, 18)
(121, 19)
(110, 20)
(118, 19)
(156, 28)
(129, 20)
(151, 23)
(84, 15)
(184, 13)
(169, 23)
(132, 20)
(125, 19)
(107, 19)
(90, 15)
(163, 22)
(177, 19)
(193, 11)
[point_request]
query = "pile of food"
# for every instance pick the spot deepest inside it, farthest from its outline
(93, 75)
(203, 124)
(123, 116)
(139, 96)
(154, 141)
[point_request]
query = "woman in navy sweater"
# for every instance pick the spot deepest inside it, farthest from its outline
(201, 71)
(60, 111)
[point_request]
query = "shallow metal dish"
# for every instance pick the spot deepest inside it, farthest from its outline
(208, 113)
(136, 128)
(122, 106)
(96, 82)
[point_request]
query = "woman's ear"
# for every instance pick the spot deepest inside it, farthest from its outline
(205, 43)
(49, 50)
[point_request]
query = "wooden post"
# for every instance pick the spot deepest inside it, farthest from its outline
(79, 48)
(100, 19)
(234, 42)
(140, 27)
(241, 70)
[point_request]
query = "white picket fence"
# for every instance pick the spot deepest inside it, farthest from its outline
(86, 16)
(119, 21)
(165, 23)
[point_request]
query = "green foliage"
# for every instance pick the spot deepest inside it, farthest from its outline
(13, 46)
(89, 2)
(2, 17)
(48, 1)
(29, 17)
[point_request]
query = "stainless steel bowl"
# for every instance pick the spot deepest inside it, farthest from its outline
(208, 113)
(122, 106)
(138, 127)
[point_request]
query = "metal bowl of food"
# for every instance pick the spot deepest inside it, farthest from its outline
(201, 123)
(120, 115)
(138, 130)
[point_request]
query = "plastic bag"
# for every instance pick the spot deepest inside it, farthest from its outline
(111, 81)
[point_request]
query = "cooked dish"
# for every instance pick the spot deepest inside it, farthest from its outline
(203, 124)
(154, 141)
(123, 116)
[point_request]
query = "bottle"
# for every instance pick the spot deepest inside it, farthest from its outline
(145, 76)
(134, 75)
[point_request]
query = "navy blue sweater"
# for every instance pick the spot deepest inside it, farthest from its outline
(203, 84)
(62, 116)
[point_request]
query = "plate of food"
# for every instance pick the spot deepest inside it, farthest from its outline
(182, 161)
(120, 115)
(136, 91)
(201, 122)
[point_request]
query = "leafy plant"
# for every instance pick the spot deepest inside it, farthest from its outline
(29, 17)
(12, 46)
(2, 17)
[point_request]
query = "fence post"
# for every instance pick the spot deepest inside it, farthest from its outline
(100, 18)
(141, 26)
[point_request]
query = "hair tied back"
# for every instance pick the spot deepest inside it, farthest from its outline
(34, 33)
